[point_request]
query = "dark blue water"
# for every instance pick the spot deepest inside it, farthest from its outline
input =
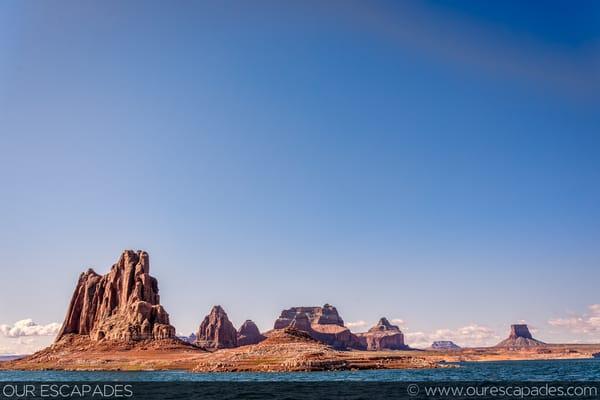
(569, 370)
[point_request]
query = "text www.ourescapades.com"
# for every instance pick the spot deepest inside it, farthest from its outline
(547, 390)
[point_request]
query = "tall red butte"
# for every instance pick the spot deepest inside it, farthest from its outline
(122, 305)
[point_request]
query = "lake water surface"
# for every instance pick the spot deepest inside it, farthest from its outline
(554, 370)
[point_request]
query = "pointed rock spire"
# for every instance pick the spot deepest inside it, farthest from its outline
(216, 331)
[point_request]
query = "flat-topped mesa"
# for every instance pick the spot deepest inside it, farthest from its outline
(444, 345)
(249, 334)
(383, 336)
(121, 305)
(518, 337)
(216, 331)
(321, 323)
(325, 315)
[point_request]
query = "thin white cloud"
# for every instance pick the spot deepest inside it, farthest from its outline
(587, 323)
(26, 327)
(356, 324)
(397, 321)
(23, 344)
(468, 336)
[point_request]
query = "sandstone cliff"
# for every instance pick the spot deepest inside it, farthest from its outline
(249, 334)
(216, 331)
(383, 336)
(519, 337)
(327, 314)
(321, 323)
(121, 305)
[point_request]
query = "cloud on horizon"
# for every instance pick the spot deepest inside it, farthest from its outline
(468, 336)
(587, 323)
(26, 337)
(356, 324)
(26, 327)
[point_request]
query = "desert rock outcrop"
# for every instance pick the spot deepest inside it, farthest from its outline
(444, 345)
(383, 336)
(216, 331)
(249, 334)
(327, 314)
(121, 305)
(321, 323)
(519, 337)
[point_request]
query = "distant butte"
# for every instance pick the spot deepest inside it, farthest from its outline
(519, 337)
(383, 336)
(444, 345)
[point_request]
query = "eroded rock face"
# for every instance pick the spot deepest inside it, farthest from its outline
(321, 323)
(121, 305)
(216, 331)
(327, 314)
(519, 330)
(249, 334)
(383, 336)
(518, 337)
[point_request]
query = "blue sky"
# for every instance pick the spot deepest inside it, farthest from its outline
(434, 162)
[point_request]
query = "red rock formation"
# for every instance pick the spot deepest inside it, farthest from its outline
(336, 336)
(121, 305)
(216, 331)
(383, 336)
(327, 314)
(321, 323)
(249, 334)
(518, 337)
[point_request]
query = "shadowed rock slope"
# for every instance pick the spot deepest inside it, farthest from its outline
(216, 331)
(519, 337)
(249, 334)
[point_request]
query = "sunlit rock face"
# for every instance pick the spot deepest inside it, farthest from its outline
(383, 336)
(321, 323)
(122, 305)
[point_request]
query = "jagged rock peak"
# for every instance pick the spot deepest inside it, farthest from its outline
(326, 315)
(122, 305)
(249, 334)
(384, 325)
(216, 331)
(383, 336)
